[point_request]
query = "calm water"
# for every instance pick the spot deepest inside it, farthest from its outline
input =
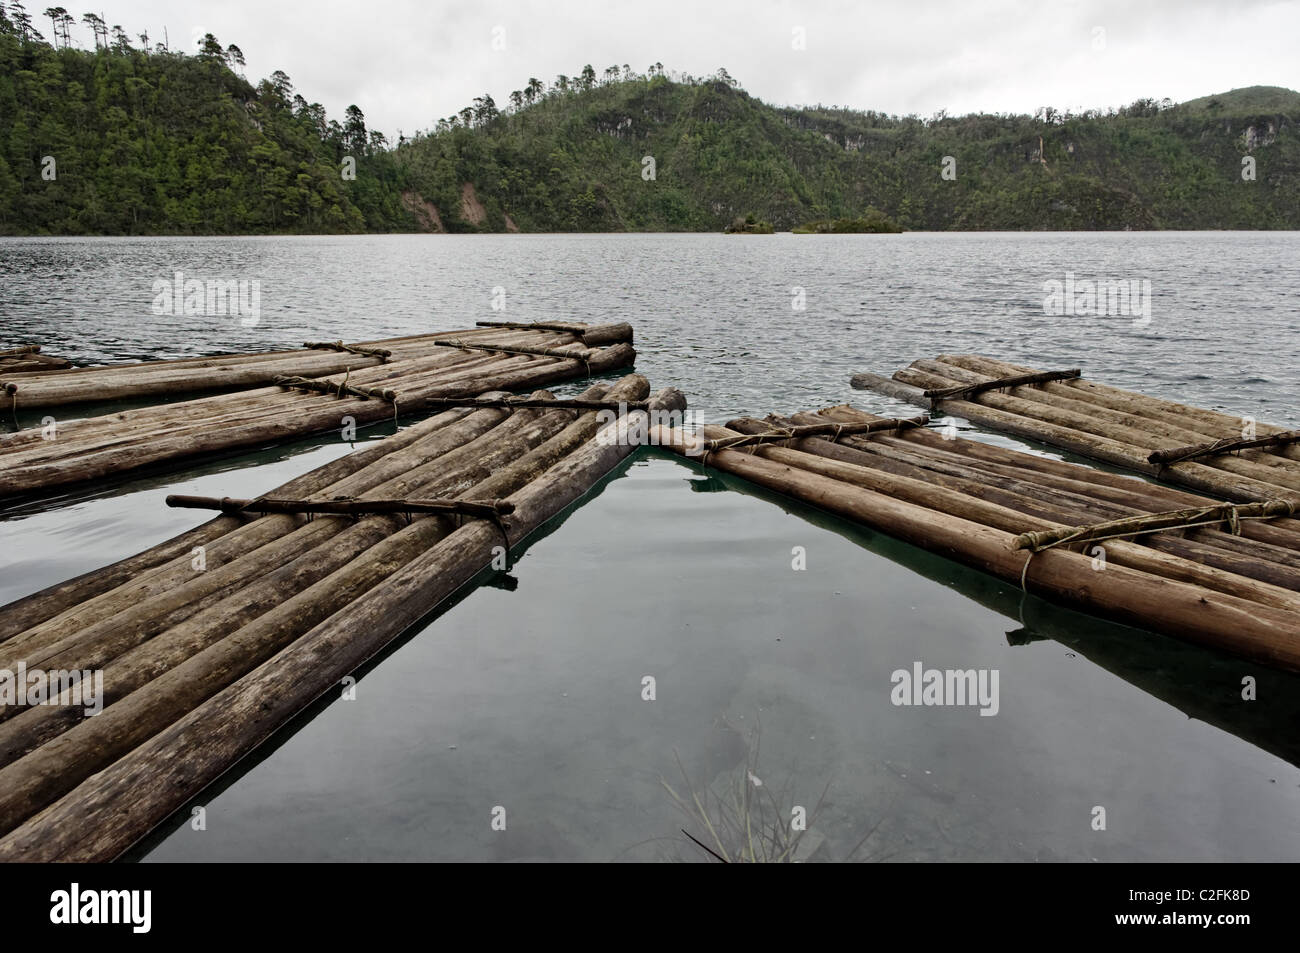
(527, 695)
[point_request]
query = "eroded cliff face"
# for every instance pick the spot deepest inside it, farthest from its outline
(425, 212)
(1260, 134)
(471, 209)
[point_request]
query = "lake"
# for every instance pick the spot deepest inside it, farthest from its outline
(526, 699)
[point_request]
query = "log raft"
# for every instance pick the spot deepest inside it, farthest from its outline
(1136, 552)
(37, 459)
(201, 664)
(156, 380)
(1199, 449)
(28, 359)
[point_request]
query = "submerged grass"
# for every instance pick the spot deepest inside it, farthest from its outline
(742, 819)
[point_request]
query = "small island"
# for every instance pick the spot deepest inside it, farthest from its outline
(872, 221)
(748, 225)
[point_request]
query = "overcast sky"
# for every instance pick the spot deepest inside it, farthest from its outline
(406, 63)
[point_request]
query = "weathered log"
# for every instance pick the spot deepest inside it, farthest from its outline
(570, 403)
(1001, 383)
(1138, 430)
(1213, 423)
(1268, 552)
(591, 335)
(23, 349)
(834, 431)
(1015, 512)
(1226, 445)
(460, 343)
(600, 335)
(350, 507)
(48, 603)
(891, 388)
(340, 389)
(1228, 513)
(98, 447)
(379, 352)
(238, 371)
(1189, 474)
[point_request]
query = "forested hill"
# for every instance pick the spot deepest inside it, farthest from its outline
(131, 138)
(576, 156)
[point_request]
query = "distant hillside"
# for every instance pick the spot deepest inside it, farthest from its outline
(1251, 99)
(138, 139)
(575, 158)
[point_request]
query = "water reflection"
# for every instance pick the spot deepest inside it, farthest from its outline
(1202, 682)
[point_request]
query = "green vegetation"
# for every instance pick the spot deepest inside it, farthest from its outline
(872, 221)
(127, 139)
(748, 225)
(656, 152)
(139, 140)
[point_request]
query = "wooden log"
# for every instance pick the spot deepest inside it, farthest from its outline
(605, 334)
(1143, 494)
(1115, 426)
(133, 612)
(1185, 611)
(47, 603)
(835, 431)
(1157, 522)
(591, 335)
(1001, 509)
(584, 356)
(22, 349)
(891, 388)
(231, 372)
(32, 365)
(1001, 383)
(571, 403)
(1190, 474)
(1226, 445)
(379, 352)
(340, 389)
(1268, 542)
(61, 464)
(1212, 422)
(23, 613)
(145, 785)
(243, 407)
(483, 510)
(1140, 431)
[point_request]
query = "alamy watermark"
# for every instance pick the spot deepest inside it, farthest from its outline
(1102, 297)
(647, 428)
(131, 908)
(946, 687)
(75, 688)
(210, 297)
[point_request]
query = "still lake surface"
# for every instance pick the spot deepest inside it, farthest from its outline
(528, 696)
